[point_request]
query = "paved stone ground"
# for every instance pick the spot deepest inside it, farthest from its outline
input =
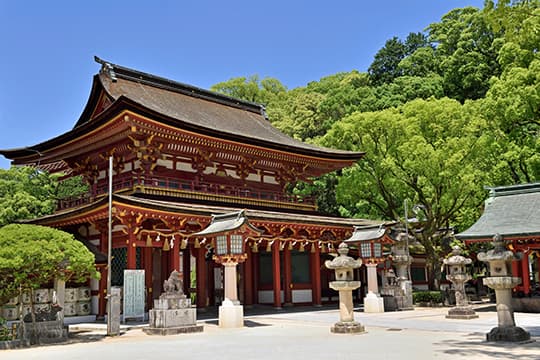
(302, 333)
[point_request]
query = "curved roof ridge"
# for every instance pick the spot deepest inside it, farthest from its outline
(114, 71)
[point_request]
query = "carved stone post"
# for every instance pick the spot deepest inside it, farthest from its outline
(343, 265)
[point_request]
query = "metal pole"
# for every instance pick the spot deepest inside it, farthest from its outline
(109, 246)
(407, 237)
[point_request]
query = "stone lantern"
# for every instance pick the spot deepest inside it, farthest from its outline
(456, 272)
(502, 281)
(230, 232)
(343, 266)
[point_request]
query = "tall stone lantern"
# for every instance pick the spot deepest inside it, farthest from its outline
(401, 259)
(456, 272)
(230, 232)
(502, 281)
(343, 266)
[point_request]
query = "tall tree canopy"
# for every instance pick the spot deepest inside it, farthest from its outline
(434, 153)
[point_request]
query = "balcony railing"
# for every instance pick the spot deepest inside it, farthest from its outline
(182, 189)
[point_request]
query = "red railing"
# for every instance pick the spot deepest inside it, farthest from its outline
(184, 189)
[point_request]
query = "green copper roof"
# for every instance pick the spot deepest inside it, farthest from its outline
(512, 211)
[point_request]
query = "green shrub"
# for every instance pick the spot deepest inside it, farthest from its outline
(5, 334)
(435, 297)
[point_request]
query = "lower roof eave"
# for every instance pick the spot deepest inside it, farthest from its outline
(489, 237)
(196, 209)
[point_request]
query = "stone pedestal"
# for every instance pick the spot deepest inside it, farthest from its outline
(462, 312)
(346, 323)
(231, 315)
(507, 329)
(46, 332)
(373, 303)
(172, 313)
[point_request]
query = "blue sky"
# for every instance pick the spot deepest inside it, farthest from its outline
(46, 62)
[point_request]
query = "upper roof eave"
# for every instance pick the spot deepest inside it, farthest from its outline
(34, 152)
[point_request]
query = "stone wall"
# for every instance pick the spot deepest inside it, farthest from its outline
(77, 303)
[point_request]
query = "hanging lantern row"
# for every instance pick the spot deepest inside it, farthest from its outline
(170, 240)
(325, 246)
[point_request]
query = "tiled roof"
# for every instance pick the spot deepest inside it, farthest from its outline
(370, 233)
(235, 118)
(511, 211)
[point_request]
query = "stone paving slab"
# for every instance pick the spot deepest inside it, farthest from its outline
(419, 334)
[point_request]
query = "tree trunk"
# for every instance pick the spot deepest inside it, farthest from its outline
(433, 264)
(35, 333)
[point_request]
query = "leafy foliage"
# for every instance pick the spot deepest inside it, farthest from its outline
(430, 297)
(27, 193)
(32, 255)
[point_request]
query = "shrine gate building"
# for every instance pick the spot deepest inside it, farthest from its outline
(180, 155)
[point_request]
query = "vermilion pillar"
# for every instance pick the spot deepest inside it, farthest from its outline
(174, 253)
(287, 286)
(148, 261)
(131, 251)
(515, 268)
(201, 278)
(526, 280)
(248, 278)
(102, 300)
(316, 276)
(276, 275)
(186, 270)
(255, 267)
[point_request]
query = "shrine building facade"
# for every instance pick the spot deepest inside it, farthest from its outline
(182, 154)
(513, 212)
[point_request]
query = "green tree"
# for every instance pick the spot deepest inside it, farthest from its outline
(27, 193)
(265, 91)
(513, 100)
(385, 66)
(434, 153)
(303, 118)
(467, 48)
(32, 256)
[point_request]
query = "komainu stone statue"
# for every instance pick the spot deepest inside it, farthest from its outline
(174, 284)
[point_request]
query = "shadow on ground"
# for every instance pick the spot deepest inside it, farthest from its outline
(477, 347)
(247, 323)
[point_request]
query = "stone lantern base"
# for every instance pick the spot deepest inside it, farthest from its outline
(231, 314)
(348, 327)
(462, 312)
(509, 334)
